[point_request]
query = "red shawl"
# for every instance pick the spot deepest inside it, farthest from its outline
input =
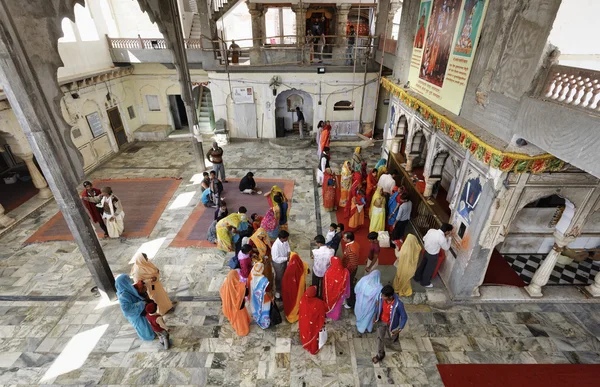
(290, 283)
(91, 207)
(312, 319)
(356, 182)
(371, 186)
(334, 283)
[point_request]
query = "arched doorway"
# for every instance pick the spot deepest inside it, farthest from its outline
(402, 133)
(285, 111)
(528, 241)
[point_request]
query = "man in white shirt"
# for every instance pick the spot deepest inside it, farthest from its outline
(387, 183)
(433, 241)
(280, 254)
(402, 218)
(322, 260)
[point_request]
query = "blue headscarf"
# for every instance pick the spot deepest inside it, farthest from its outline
(380, 163)
(132, 305)
(367, 291)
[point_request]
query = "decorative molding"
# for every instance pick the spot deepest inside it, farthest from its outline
(91, 80)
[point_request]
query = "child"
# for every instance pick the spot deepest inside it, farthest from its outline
(205, 183)
(337, 238)
(331, 232)
(373, 258)
(245, 262)
(222, 211)
(158, 324)
(256, 219)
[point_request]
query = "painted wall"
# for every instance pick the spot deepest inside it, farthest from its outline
(131, 21)
(326, 89)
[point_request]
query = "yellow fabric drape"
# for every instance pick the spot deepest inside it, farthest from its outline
(407, 265)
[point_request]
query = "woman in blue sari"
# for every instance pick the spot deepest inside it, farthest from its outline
(260, 304)
(132, 305)
(393, 207)
(367, 293)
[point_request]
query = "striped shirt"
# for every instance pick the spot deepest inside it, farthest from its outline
(350, 257)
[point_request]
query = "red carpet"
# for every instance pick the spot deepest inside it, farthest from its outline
(193, 232)
(144, 200)
(386, 255)
(519, 375)
(499, 272)
(13, 195)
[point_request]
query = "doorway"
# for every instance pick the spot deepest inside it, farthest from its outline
(178, 113)
(117, 126)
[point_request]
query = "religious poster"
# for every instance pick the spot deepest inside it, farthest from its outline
(294, 101)
(443, 50)
(469, 198)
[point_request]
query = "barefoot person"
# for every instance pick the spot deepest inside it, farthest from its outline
(113, 213)
(248, 185)
(389, 320)
(215, 156)
(91, 196)
(145, 271)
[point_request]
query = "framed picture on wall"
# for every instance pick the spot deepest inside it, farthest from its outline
(95, 123)
(294, 101)
(243, 95)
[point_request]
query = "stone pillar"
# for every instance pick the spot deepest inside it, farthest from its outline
(406, 38)
(29, 62)
(300, 11)
(409, 162)
(166, 15)
(5, 220)
(339, 50)
(36, 177)
(257, 14)
(542, 274)
(429, 183)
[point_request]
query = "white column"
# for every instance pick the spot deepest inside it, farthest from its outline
(409, 162)
(542, 274)
(36, 176)
(5, 220)
(429, 183)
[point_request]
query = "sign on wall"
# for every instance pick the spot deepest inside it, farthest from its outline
(95, 124)
(243, 95)
(444, 48)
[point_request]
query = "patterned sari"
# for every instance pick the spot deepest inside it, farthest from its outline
(260, 305)
(329, 189)
(345, 183)
(260, 241)
(224, 238)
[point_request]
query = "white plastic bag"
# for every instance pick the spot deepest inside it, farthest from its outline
(383, 238)
(322, 337)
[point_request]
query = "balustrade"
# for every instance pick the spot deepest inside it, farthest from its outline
(573, 87)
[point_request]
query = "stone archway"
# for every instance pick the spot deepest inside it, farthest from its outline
(285, 115)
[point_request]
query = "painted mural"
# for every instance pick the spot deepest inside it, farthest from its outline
(469, 198)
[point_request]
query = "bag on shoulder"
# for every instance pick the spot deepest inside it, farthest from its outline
(384, 239)
(234, 263)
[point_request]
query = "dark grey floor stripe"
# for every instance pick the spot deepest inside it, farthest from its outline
(198, 298)
(35, 298)
(317, 204)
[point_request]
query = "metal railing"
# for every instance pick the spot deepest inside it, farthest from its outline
(423, 216)
(295, 50)
(573, 87)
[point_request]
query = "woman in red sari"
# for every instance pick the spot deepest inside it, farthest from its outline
(312, 319)
(356, 183)
(371, 185)
(329, 190)
(336, 288)
(293, 286)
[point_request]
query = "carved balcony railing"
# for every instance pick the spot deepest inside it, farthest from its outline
(150, 44)
(574, 87)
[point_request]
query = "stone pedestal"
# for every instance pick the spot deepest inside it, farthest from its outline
(594, 289)
(341, 44)
(5, 220)
(542, 274)
(36, 177)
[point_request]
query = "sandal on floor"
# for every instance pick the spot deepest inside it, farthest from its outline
(376, 359)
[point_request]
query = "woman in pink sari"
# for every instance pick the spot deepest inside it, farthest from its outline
(336, 288)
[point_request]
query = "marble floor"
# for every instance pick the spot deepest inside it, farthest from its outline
(54, 331)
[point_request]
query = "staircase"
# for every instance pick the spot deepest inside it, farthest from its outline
(205, 113)
(196, 32)
(221, 7)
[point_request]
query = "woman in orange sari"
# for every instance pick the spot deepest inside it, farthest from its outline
(371, 185)
(356, 185)
(357, 211)
(329, 188)
(262, 246)
(233, 293)
(325, 137)
(345, 183)
(293, 286)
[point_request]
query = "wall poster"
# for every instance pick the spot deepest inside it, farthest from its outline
(243, 95)
(444, 48)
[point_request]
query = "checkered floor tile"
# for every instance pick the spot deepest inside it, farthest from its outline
(581, 273)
